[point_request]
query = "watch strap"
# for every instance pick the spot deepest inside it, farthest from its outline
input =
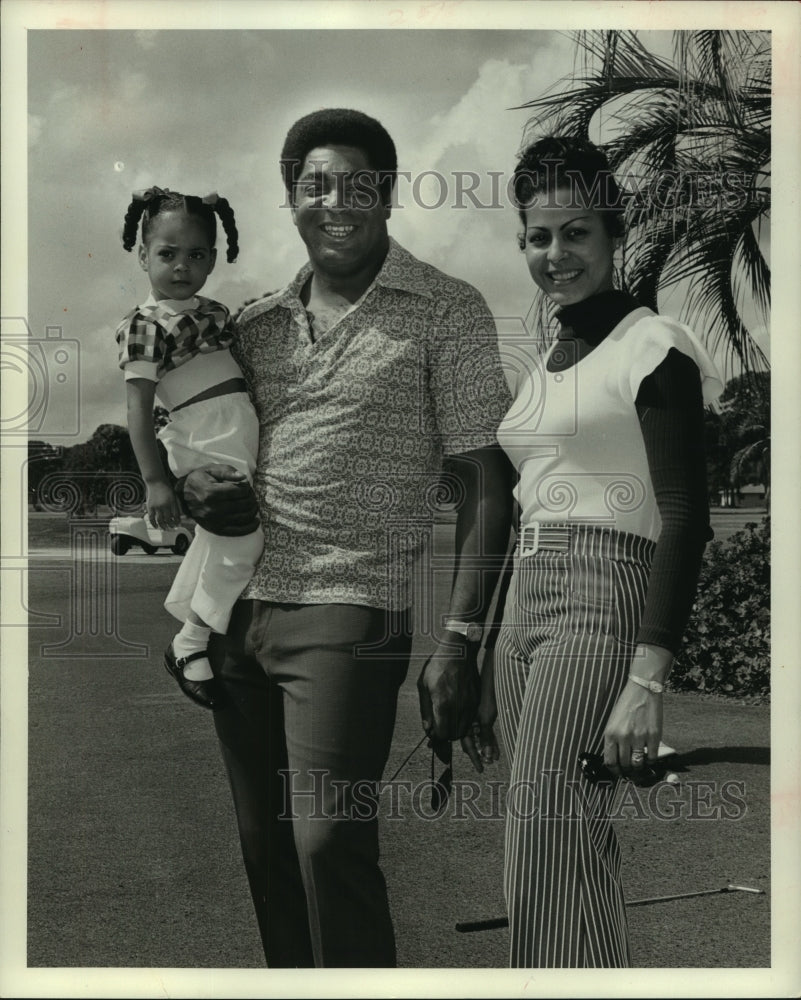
(653, 686)
(472, 631)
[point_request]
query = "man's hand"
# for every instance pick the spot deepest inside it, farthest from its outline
(220, 499)
(448, 688)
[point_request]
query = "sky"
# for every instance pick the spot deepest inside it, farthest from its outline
(113, 111)
(199, 111)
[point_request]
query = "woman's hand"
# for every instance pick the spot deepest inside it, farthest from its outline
(221, 500)
(635, 726)
(481, 745)
(163, 508)
(634, 729)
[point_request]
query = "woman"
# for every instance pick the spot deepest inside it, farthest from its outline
(607, 436)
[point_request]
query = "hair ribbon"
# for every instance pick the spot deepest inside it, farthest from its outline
(150, 193)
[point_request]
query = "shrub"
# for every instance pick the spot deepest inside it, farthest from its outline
(726, 646)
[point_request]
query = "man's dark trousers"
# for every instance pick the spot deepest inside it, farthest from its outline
(309, 701)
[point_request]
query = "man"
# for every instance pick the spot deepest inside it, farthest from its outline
(364, 371)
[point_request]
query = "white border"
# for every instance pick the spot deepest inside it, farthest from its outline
(784, 978)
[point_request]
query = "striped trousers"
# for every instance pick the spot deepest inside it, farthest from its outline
(562, 659)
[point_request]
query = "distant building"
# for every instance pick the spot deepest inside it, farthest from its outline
(752, 495)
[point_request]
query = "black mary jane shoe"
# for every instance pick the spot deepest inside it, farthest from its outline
(201, 692)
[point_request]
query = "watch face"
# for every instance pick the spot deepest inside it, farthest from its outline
(472, 631)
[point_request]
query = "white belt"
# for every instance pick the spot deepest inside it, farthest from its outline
(538, 535)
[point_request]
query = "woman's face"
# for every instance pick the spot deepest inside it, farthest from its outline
(568, 249)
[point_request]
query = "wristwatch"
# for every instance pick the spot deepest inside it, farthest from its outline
(472, 631)
(654, 686)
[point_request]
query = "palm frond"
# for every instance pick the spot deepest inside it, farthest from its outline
(757, 454)
(625, 55)
(690, 140)
(710, 304)
(751, 274)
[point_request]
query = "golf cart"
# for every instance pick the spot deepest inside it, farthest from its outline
(125, 532)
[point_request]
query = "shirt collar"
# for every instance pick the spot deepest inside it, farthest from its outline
(400, 270)
(172, 305)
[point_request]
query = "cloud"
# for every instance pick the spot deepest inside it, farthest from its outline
(35, 126)
(132, 87)
(481, 133)
(146, 39)
(484, 116)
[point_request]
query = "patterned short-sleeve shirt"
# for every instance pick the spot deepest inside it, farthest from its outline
(354, 424)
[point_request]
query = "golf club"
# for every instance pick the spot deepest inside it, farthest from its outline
(467, 926)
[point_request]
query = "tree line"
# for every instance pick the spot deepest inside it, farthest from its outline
(737, 448)
(85, 471)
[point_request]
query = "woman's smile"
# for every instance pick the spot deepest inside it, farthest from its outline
(563, 277)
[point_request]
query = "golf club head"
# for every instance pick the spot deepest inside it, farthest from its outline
(594, 770)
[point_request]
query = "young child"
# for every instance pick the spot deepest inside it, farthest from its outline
(176, 347)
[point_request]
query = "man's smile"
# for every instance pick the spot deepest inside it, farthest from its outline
(337, 231)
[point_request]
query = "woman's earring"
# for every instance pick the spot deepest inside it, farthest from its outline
(619, 265)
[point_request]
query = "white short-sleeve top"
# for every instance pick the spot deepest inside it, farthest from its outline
(574, 435)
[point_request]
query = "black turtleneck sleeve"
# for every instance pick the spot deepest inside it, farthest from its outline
(671, 412)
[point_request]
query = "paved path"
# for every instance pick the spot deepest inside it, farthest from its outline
(133, 859)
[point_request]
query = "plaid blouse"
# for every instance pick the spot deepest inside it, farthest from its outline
(170, 339)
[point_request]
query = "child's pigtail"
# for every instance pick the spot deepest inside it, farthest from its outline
(226, 214)
(131, 224)
(139, 202)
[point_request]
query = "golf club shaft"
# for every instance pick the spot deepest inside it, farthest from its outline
(701, 892)
(492, 923)
(678, 895)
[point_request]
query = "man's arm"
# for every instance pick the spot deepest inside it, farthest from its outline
(448, 685)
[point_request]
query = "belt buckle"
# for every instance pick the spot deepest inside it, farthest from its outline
(528, 548)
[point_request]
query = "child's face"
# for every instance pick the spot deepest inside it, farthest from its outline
(176, 256)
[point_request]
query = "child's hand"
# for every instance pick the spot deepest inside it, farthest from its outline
(163, 508)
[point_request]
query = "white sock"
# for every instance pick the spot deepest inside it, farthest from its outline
(193, 639)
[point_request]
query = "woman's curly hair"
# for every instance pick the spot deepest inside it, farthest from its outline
(577, 165)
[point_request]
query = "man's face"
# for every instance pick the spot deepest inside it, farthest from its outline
(339, 213)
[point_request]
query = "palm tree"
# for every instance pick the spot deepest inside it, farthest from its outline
(690, 139)
(745, 413)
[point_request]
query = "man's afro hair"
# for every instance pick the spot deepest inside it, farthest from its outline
(340, 127)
